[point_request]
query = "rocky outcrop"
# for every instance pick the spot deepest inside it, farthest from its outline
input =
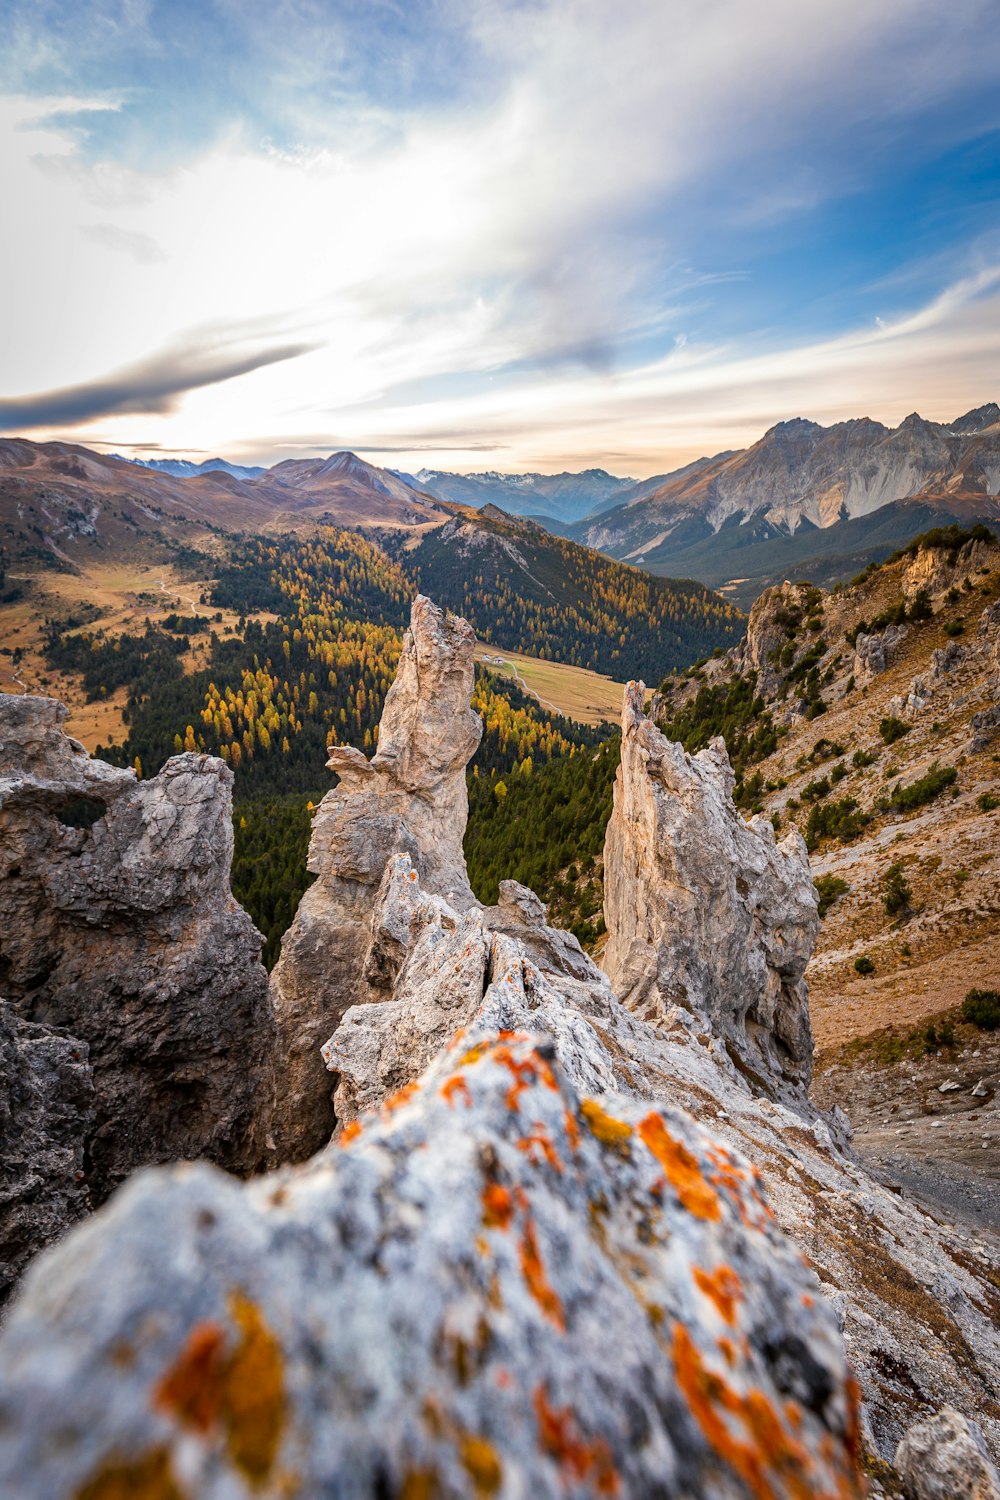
(938, 569)
(46, 1111)
(522, 1268)
(945, 1458)
(426, 1310)
(777, 611)
(873, 653)
(411, 798)
(703, 910)
(118, 929)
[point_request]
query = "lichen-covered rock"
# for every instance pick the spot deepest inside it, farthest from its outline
(118, 928)
(46, 1110)
(497, 1288)
(411, 798)
(704, 910)
(945, 1458)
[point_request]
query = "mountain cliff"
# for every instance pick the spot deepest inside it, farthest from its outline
(767, 507)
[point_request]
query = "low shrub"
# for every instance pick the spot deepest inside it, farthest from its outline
(842, 820)
(864, 965)
(924, 789)
(829, 888)
(986, 802)
(892, 729)
(896, 891)
(982, 1008)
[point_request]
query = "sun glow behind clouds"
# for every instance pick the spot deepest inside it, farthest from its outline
(583, 254)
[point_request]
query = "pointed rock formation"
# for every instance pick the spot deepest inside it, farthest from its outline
(704, 910)
(411, 798)
(118, 930)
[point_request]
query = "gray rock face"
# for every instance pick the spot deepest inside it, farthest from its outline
(411, 798)
(873, 653)
(706, 911)
(766, 634)
(945, 1458)
(46, 1111)
(937, 570)
(118, 928)
(501, 1285)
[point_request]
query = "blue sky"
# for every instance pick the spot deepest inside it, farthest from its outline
(513, 235)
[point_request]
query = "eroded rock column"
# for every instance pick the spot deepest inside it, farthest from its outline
(703, 910)
(411, 798)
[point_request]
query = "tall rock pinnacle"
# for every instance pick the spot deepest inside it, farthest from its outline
(411, 798)
(704, 910)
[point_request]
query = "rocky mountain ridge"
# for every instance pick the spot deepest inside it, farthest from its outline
(423, 1308)
(806, 498)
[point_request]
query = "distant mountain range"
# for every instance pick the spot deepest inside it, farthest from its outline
(183, 468)
(805, 499)
(560, 497)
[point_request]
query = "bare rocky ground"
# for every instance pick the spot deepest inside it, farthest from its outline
(926, 1122)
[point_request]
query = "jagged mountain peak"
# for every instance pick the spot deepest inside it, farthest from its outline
(977, 420)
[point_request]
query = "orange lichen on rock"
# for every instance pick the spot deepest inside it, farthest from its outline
(771, 1461)
(456, 1084)
(723, 1288)
(419, 1484)
(350, 1133)
(680, 1168)
(240, 1392)
(539, 1141)
(191, 1390)
(741, 1187)
(254, 1405)
(399, 1098)
(481, 1462)
(147, 1478)
(498, 1206)
(526, 1071)
(536, 1279)
(604, 1127)
(589, 1462)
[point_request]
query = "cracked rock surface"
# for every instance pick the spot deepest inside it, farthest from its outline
(118, 930)
(704, 910)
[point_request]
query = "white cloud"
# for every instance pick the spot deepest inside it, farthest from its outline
(530, 231)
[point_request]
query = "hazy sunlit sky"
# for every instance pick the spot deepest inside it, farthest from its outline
(485, 234)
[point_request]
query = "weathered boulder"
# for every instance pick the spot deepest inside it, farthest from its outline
(411, 798)
(497, 1288)
(873, 653)
(704, 910)
(46, 1110)
(945, 1458)
(118, 928)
